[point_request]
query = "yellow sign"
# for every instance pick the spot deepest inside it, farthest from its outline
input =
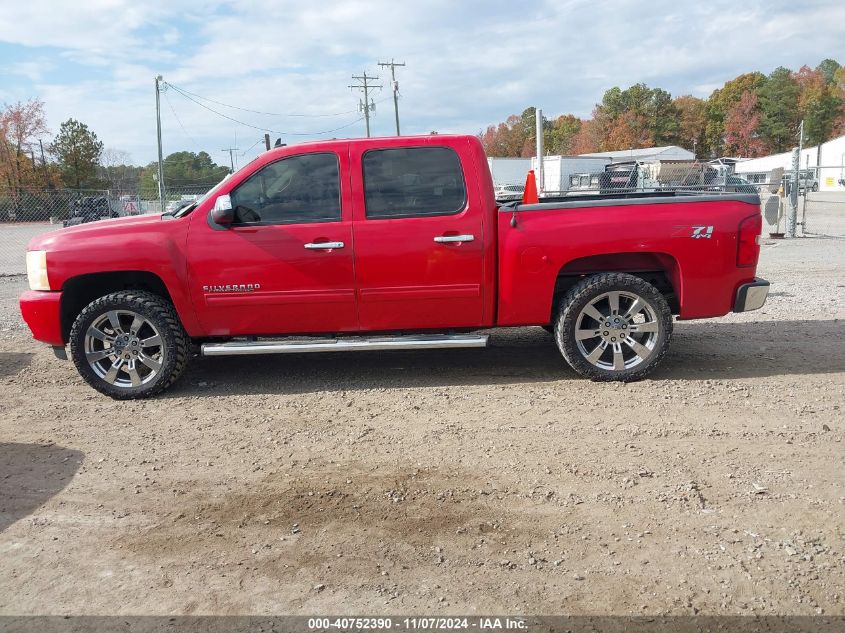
(828, 181)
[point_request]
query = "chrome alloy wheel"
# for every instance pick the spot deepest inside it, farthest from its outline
(617, 330)
(124, 349)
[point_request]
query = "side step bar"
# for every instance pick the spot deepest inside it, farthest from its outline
(360, 344)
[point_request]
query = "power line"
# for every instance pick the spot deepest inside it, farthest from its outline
(256, 127)
(367, 104)
(178, 120)
(234, 107)
(251, 146)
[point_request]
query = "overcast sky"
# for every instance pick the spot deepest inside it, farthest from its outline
(469, 63)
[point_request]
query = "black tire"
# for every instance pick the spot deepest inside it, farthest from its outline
(161, 318)
(595, 288)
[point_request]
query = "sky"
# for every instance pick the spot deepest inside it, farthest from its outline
(469, 63)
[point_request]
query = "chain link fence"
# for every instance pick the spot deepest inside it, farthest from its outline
(633, 177)
(822, 213)
(27, 214)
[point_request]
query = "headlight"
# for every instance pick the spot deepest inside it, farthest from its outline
(36, 270)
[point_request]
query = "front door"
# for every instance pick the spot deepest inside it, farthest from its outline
(285, 265)
(418, 239)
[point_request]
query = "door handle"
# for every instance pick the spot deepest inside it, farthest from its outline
(324, 245)
(454, 238)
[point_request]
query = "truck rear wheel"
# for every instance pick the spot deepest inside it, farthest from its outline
(613, 326)
(129, 344)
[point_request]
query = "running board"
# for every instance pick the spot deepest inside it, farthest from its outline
(359, 344)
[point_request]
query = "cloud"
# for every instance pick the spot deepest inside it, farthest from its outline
(469, 64)
(33, 70)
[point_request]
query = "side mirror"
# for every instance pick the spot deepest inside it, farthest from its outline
(223, 213)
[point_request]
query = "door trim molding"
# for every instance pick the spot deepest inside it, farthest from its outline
(280, 297)
(403, 293)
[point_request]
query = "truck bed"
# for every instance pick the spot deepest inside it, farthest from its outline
(678, 241)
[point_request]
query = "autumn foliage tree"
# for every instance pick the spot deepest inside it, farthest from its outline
(819, 103)
(560, 137)
(720, 101)
(517, 136)
(636, 117)
(588, 139)
(742, 136)
(692, 121)
(751, 115)
(22, 124)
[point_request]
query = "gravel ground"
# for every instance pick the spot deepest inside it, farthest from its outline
(450, 482)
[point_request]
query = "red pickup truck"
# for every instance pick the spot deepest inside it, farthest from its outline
(382, 244)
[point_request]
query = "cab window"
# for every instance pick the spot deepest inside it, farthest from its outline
(294, 190)
(413, 182)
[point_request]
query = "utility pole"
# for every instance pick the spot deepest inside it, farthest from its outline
(267, 141)
(395, 85)
(158, 129)
(538, 125)
(231, 151)
(366, 105)
(792, 217)
(44, 164)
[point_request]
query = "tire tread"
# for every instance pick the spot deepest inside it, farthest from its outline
(149, 304)
(570, 307)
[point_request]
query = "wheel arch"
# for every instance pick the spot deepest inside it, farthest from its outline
(79, 291)
(659, 269)
(644, 354)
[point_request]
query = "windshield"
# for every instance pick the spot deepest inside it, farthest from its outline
(186, 210)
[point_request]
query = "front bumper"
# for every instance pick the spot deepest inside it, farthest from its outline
(42, 312)
(751, 296)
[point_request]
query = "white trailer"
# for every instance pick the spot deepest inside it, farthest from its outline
(558, 170)
(508, 171)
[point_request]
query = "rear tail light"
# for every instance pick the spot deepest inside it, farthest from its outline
(748, 249)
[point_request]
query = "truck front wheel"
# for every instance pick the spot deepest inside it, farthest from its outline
(129, 344)
(613, 326)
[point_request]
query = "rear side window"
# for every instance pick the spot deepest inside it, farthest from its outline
(413, 182)
(294, 190)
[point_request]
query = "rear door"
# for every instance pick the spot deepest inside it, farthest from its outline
(418, 238)
(285, 265)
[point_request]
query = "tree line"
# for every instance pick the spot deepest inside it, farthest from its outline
(751, 115)
(31, 161)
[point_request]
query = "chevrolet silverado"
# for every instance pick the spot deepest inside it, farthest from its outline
(383, 244)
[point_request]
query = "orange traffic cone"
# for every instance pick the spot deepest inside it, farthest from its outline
(529, 194)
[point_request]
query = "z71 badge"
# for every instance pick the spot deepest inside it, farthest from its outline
(702, 232)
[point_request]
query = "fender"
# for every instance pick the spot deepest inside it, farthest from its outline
(147, 244)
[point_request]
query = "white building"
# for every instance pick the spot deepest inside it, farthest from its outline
(646, 154)
(828, 163)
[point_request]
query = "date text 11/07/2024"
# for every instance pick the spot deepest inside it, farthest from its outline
(422, 623)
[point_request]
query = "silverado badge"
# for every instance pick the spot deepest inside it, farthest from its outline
(232, 288)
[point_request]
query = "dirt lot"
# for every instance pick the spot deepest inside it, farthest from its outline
(454, 482)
